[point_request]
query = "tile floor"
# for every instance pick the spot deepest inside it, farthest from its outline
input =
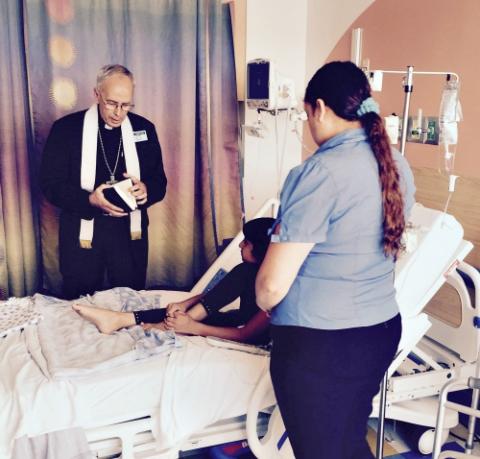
(399, 439)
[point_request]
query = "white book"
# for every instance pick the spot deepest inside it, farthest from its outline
(122, 188)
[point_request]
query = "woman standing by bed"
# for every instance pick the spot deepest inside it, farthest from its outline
(328, 274)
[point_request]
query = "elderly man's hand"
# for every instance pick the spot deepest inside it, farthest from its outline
(97, 199)
(138, 190)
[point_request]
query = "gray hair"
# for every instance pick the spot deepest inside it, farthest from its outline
(112, 69)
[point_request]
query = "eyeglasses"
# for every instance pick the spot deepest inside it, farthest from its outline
(112, 105)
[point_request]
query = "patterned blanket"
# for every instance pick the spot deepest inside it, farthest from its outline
(64, 344)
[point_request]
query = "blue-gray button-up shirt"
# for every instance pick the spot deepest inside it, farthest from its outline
(334, 200)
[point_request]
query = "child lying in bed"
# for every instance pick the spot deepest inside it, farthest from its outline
(200, 314)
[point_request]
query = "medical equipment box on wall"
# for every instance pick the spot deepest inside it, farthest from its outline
(266, 88)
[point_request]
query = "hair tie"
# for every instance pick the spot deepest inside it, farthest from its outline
(368, 105)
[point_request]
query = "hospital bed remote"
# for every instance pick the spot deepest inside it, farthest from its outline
(236, 346)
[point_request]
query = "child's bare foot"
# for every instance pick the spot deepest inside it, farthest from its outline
(105, 320)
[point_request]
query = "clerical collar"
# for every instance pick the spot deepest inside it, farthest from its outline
(108, 130)
(102, 124)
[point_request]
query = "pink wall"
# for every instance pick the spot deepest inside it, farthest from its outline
(431, 35)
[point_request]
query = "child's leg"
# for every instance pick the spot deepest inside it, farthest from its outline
(197, 312)
(105, 320)
(149, 316)
(155, 316)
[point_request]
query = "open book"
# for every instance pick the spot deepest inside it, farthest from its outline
(119, 195)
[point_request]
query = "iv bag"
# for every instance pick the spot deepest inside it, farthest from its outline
(450, 115)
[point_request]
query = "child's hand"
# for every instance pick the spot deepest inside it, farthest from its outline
(173, 308)
(182, 323)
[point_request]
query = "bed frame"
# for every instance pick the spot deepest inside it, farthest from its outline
(412, 390)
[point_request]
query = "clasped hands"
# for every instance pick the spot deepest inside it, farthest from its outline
(176, 319)
(138, 191)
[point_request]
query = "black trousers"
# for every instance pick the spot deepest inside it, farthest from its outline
(325, 381)
(113, 256)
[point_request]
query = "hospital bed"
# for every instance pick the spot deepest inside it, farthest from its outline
(117, 406)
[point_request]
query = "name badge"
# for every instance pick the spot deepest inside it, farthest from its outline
(140, 136)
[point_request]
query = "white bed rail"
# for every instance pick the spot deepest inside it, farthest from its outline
(463, 339)
(231, 257)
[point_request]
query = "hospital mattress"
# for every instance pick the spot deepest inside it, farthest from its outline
(192, 388)
(30, 404)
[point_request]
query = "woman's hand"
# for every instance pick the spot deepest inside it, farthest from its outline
(182, 323)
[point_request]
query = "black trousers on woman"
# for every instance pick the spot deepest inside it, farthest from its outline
(325, 381)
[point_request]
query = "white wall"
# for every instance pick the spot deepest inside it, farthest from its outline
(297, 36)
(327, 21)
(275, 29)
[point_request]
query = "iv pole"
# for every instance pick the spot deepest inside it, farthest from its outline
(408, 88)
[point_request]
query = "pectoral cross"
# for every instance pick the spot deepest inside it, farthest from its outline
(112, 180)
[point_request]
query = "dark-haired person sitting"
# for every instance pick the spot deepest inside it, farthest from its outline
(200, 314)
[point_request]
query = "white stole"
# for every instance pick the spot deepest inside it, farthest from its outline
(89, 165)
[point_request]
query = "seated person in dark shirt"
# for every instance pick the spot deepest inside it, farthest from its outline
(200, 314)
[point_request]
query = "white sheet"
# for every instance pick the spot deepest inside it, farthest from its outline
(31, 404)
(72, 346)
(199, 386)
(64, 444)
(204, 384)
